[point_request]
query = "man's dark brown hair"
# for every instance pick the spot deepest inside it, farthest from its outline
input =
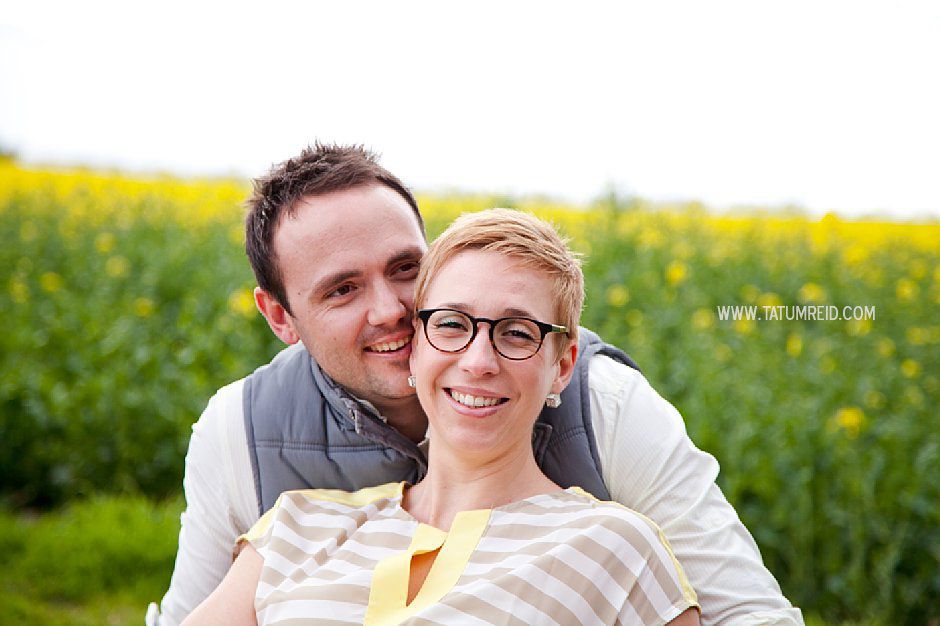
(320, 169)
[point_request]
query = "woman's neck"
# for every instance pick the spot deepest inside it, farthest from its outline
(455, 483)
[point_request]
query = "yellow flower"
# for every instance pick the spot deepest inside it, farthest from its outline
(917, 336)
(617, 295)
(769, 299)
(750, 293)
(827, 364)
(918, 268)
(875, 399)
(143, 307)
(858, 328)
(634, 317)
(811, 292)
(829, 219)
(676, 272)
(19, 291)
(703, 319)
(723, 353)
(850, 419)
(885, 347)
(117, 267)
(242, 302)
(50, 282)
(854, 255)
(104, 242)
(744, 326)
(650, 238)
(910, 368)
(794, 345)
(913, 396)
(906, 289)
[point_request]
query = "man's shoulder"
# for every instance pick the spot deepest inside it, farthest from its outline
(287, 357)
(610, 376)
(226, 406)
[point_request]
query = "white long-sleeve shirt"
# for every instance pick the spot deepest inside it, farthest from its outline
(648, 463)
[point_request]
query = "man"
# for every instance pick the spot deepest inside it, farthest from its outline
(335, 242)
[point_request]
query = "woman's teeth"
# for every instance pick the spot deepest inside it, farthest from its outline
(473, 401)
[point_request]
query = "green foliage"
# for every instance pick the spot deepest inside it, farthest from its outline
(119, 327)
(127, 304)
(827, 432)
(97, 561)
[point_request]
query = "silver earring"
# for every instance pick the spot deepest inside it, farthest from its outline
(412, 382)
(553, 400)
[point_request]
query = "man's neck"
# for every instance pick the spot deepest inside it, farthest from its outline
(406, 416)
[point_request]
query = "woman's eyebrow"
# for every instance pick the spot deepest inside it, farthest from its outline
(508, 312)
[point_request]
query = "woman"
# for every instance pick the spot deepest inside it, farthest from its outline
(486, 537)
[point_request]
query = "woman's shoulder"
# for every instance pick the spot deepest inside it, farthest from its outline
(610, 507)
(323, 509)
(351, 499)
(576, 506)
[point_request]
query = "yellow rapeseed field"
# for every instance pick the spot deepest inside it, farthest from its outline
(127, 302)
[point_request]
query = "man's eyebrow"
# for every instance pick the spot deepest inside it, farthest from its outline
(413, 253)
(333, 279)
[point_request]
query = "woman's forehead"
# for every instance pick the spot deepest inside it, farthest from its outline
(491, 284)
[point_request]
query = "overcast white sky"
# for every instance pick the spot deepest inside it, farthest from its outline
(828, 105)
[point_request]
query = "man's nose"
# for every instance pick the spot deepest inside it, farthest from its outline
(386, 307)
(480, 357)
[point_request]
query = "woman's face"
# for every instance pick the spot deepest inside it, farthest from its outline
(451, 386)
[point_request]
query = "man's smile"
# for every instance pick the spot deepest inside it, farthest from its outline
(393, 345)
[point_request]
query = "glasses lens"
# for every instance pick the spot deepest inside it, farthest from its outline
(517, 338)
(449, 330)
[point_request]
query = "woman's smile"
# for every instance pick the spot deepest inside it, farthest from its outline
(474, 402)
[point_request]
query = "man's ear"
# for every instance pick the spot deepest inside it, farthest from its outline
(280, 321)
(565, 367)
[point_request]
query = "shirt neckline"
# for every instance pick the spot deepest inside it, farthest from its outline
(503, 508)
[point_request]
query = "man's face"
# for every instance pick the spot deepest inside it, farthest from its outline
(349, 261)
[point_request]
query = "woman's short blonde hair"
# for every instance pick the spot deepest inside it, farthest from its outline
(522, 236)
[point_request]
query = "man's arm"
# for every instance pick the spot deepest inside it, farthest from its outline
(650, 465)
(220, 506)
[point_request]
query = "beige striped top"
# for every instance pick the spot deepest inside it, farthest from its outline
(332, 557)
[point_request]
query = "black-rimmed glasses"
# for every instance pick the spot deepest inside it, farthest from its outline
(514, 338)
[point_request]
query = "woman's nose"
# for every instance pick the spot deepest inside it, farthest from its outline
(480, 357)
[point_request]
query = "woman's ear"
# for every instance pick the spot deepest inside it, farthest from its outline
(565, 367)
(280, 321)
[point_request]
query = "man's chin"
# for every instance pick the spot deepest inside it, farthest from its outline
(391, 385)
